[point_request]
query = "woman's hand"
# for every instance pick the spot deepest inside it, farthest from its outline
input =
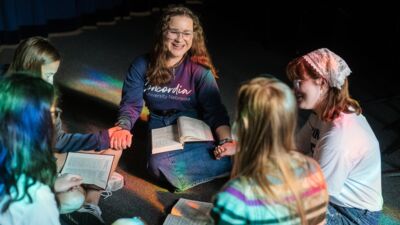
(120, 139)
(226, 149)
(66, 182)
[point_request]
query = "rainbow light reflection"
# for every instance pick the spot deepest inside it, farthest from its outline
(102, 86)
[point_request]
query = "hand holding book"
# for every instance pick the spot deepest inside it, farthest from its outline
(94, 169)
(66, 182)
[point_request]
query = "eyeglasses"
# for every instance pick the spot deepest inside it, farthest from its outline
(56, 112)
(296, 83)
(174, 34)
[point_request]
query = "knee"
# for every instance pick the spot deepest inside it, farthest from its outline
(70, 201)
(153, 166)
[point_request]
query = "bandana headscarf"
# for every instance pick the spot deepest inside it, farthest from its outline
(328, 65)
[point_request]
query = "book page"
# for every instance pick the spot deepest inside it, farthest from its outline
(192, 210)
(194, 130)
(93, 168)
(178, 220)
(165, 139)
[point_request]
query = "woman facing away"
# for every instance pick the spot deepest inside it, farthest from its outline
(177, 79)
(40, 58)
(271, 181)
(28, 178)
(339, 137)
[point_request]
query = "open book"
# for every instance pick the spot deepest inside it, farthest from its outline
(93, 168)
(173, 137)
(189, 212)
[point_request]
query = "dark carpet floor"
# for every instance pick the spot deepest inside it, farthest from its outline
(95, 60)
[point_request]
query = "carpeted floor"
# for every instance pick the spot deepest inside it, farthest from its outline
(95, 60)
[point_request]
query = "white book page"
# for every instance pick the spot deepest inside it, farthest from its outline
(194, 130)
(192, 210)
(165, 139)
(178, 220)
(93, 168)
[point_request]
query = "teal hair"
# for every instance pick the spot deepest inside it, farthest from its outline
(26, 134)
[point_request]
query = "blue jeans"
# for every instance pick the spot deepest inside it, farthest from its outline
(186, 168)
(338, 215)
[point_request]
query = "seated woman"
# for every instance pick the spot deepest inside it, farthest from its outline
(177, 79)
(339, 137)
(271, 182)
(28, 178)
(39, 57)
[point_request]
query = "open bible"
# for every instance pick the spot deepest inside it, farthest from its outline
(173, 137)
(189, 212)
(95, 169)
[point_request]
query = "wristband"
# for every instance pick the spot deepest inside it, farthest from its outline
(225, 140)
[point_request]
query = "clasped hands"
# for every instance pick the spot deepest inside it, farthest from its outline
(226, 149)
(120, 139)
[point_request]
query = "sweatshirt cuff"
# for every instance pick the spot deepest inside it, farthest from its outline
(104, 142)
(124, 124)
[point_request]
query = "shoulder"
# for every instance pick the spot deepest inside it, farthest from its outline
(140, 62)
(237, 190)
(351, 128)
(43, 200)
(39, 192)
(301, 159)
(197, 69)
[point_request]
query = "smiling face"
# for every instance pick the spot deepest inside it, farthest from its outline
(179, 37)
(308, 93)
(48, 71)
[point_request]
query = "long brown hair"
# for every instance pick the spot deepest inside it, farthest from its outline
(266, 123)
(158, 73)
(336, 100)
(31, 54)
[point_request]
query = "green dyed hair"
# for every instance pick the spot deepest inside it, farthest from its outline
(26, 134)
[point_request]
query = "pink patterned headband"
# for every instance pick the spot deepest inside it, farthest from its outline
(328, 65)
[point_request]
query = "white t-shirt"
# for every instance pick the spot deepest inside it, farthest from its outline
(349, 155)
(42, 211)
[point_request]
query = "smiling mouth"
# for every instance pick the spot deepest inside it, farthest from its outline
(299, 97)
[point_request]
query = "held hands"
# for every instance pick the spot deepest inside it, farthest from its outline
(120, 139)
(67, 182)
(226, 149)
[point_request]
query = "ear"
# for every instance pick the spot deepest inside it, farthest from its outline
(323, 85)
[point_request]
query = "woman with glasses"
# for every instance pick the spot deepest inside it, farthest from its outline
(177, 79)
(28, 181)
(339, 137)
(271, 181)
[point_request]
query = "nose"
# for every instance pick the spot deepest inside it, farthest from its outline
(179, 36)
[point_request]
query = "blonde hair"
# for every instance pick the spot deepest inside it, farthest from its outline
(158, 73)
(31, 54)
(336, 100)
(266, 123)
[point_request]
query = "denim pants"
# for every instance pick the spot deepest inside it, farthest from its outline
(338, 215)
(186, 168)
